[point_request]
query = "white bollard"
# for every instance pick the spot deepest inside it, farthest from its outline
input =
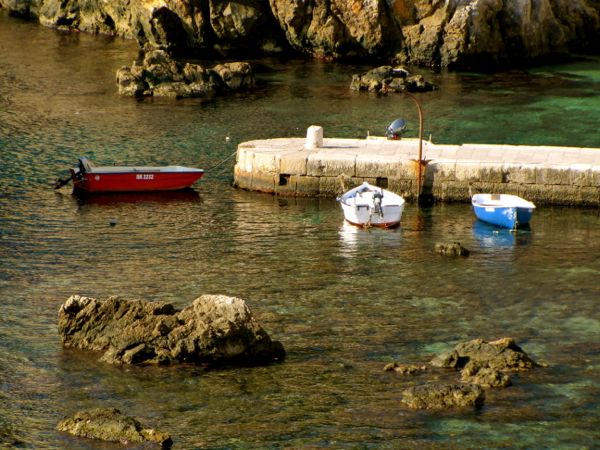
(314, 137)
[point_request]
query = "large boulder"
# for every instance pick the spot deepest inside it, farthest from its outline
(108, 424)
(213, 329)
(156, 73)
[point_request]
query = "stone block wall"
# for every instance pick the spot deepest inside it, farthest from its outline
(324, 173)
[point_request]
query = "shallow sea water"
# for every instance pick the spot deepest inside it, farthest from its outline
(343, 301)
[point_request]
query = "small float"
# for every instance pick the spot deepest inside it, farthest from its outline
(503, 210)
(372, 206)
(89, 178)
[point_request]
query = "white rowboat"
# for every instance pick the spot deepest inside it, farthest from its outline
(372, 206)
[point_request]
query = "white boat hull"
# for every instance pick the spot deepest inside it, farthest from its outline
(371, 206)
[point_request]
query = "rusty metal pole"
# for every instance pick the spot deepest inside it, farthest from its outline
(420, 160)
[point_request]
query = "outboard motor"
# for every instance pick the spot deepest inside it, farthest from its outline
(377, 198)
(395, 129)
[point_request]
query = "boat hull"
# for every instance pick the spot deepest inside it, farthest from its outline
(370, 206)
(506, 211)
(92, 179)
(362, 216)
(136, 181)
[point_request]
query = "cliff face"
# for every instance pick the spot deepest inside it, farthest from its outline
(452, 33)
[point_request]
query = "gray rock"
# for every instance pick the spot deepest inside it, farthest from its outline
(441, 396)
(213, 329)
(108, 424)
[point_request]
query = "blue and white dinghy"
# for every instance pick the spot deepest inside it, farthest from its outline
(372, 206)
(504, 210)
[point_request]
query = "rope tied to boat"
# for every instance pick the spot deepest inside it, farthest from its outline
(222, 162)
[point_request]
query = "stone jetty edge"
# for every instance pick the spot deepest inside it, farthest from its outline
(542, 174)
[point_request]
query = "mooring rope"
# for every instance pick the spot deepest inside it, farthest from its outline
(222, 162)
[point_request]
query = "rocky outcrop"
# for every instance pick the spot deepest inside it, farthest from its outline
(449, 33)
(154, 72)
(443, 395)
(396, 78)
(484, 365)
(108, 424)
(213, 329)
(481, 363)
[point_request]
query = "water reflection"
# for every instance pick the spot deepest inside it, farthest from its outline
(185, 195)
(357, 241)
(490, 236)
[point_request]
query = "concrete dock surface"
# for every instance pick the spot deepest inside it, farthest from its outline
(325, 167)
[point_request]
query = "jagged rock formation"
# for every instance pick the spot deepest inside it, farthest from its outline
(155, 73)
(452, 33)
(108, 424)
(213, 329)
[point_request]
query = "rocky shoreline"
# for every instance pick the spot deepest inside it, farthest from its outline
(457, 34)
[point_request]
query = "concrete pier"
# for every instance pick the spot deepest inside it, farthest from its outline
(542, 174)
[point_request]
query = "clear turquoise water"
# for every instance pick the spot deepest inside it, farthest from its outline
(343, 301)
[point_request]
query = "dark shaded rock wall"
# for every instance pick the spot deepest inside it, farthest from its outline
(449, 33)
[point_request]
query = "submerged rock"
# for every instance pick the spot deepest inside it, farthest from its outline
(155, 73)
(213, 329)
(409, 369)
(484, 376)
(108, 424)
(451, 249)
(503, 354)
(441, 395)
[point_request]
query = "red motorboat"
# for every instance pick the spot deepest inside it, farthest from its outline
(90, 178)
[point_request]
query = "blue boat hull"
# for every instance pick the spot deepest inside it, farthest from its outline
(504, 216)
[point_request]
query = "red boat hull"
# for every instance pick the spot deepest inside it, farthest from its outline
(89, 178)
(135, 181)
